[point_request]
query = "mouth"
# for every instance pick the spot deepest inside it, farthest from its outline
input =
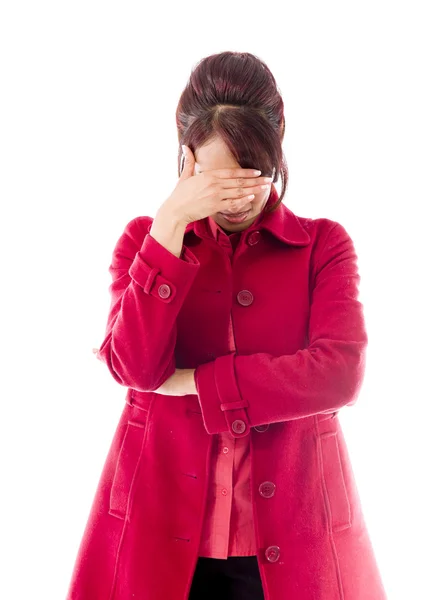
(236, 218)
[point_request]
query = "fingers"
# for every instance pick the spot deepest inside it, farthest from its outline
(240, 192)
(230, 178)
(235, 172)
(246, 182)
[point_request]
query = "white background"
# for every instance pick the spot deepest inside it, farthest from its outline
(88, 142)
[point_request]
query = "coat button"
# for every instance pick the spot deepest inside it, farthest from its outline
(164, 290)
(238, 426)
(254, 238)
(261, 428)
(272, 553)
(245, 297)
(267, 489)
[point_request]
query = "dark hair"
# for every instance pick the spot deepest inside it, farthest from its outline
(234, 95)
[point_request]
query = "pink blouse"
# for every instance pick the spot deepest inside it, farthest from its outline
(228, 525)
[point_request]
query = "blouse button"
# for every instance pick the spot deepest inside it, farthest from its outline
(254, 238)
(272, 553)
(261, 428)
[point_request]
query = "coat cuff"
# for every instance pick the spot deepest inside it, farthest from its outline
(162, 274)
(223, 408)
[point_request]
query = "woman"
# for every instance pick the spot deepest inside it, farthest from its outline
(237, 329)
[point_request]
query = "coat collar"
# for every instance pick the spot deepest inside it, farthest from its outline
(283, 224)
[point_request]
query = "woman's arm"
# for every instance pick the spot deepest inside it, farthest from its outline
(168, 231)
(150, 284)
(261, 388)
(180, 383)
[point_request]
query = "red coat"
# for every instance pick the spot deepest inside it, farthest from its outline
(228, 528)
(301, 343)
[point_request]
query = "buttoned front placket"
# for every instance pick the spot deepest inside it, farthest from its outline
(228, 527)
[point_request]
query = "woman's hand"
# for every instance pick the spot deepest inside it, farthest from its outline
(210, 192)
(180, 383)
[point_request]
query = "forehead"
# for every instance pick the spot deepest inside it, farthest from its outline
(214, 155)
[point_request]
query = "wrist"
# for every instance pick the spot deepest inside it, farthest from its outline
(192, 389)
(171, 216)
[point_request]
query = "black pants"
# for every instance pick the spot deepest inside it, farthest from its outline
(236, 578)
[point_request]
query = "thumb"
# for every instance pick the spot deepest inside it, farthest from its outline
(188, 164)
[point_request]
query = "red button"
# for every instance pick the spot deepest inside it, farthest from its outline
(164, 290)
(238, 426)
(245, 297)
(261, 428)
(272, 553)
(267, 489)
(254, 238)
(224, 492)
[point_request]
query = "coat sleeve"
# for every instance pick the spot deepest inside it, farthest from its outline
(149, 286)
(261, 388)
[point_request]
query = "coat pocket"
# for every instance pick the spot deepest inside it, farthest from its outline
(335, 490)
(126, 466)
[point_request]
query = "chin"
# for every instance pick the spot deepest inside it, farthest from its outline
(238, 227)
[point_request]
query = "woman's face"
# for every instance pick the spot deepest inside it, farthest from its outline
(216, 155)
